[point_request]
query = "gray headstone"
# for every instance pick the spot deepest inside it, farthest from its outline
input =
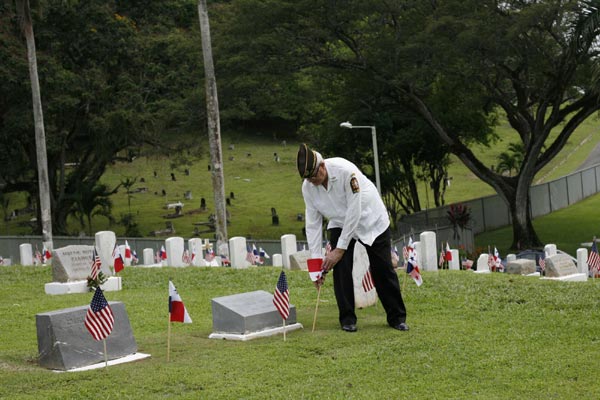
(298, 260)
(72, 263)
(64, 342)
(520, 266)
(245, 313)
(560, 265)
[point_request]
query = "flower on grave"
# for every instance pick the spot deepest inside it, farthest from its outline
(96, 283)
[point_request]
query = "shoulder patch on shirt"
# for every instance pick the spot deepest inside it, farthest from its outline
(354, 184)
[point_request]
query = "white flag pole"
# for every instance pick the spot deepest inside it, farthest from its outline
(316, 309)
(169, 338)
(105, 355)
(283, 329)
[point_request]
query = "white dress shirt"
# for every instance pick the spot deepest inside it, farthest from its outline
(357, 209)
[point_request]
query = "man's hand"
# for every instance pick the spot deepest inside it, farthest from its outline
(332, 258)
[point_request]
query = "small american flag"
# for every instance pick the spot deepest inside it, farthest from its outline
(281, 298)
(99, 319)
(96, 264)
(593, 259)
(367, 281)
(442, 258)
(491, 261)
(542, 262)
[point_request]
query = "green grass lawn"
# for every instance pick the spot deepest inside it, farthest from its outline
(472, 336)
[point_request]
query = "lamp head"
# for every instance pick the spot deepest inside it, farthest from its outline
(346, 124)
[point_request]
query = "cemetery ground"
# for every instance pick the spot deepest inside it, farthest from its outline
(472, 336)
(259, 182)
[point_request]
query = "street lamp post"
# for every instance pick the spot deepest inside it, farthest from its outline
(348, 125)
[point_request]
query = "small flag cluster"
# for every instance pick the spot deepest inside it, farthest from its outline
(412, 265)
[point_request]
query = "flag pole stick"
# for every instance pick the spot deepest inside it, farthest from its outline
(105, 355)
(284, 330)
(404, 282)
(169, 338)
(316, 309)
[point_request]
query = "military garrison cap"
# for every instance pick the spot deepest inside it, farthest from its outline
(308, 161)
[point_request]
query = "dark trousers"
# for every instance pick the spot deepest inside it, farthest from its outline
(384, 277)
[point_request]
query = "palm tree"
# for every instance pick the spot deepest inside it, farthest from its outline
(45, 214)
(91, 201)
(214, 127)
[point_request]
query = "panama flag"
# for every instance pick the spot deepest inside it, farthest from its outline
(177, 311)
(412, 266)
(46, 255)
(193, 257)
(163, 253)
(117, 259)
(257, 258)
(448, 255)
(127, 250)
(263, 253)
(314, 268)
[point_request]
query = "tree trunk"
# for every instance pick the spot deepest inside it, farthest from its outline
(40, 136)
(524, 235)
(214, 130)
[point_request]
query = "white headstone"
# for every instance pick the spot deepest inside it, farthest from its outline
(510, 257)
(482, 263)
(582, 265)
(455, 262)
(550, 250)
(298, 260)
(361, 265)
(195, 246)
(26, 254)
(277, 260)
(105, 244)
(417, 248)
(148, 256)
(238, 252)
(428, 252)
(288, 247)
(174, 247)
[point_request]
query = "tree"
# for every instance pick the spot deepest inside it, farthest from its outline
(111, 89)
(533, 60)
(90, 201)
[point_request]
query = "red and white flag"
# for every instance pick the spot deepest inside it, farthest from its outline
(416, 275)
(314, 268)
(177, 310)
(163, 253)
(117, 259)
(46, 255)
(99, 319)
(127, 250)
(448, 255)
(367, 281)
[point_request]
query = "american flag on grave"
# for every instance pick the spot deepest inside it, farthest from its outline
(367, 281)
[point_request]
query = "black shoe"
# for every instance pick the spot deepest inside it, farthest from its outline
(349, 328)
(401, 326)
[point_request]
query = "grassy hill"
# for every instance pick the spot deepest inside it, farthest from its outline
(259, 182)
